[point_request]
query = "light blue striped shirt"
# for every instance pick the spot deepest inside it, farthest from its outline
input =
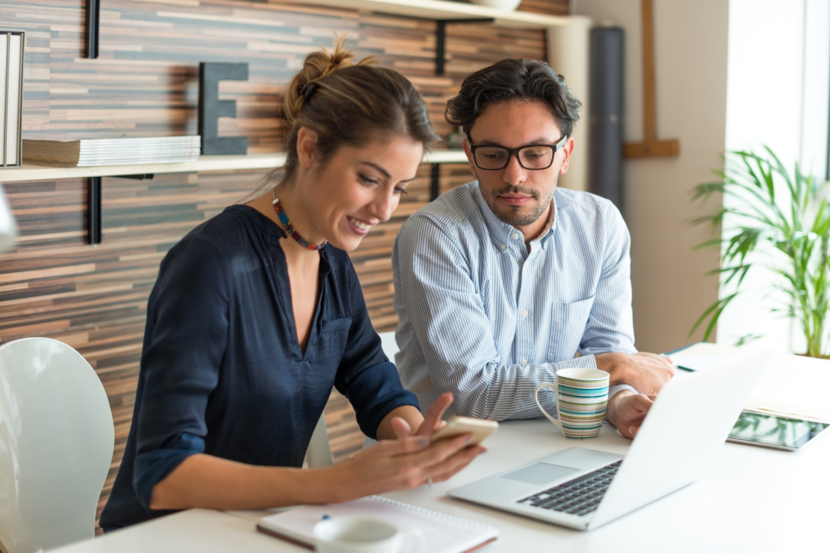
(484, 318)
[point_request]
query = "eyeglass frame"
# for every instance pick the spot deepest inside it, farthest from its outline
(515, 151)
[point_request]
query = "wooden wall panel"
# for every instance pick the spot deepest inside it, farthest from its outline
(95, 298)
(145, 84)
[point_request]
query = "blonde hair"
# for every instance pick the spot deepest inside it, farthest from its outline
(349, 102)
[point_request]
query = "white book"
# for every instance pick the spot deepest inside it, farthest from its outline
(4, 38)
(443, 533)
(13, 100)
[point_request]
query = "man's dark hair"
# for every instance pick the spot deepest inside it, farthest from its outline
(513, 80)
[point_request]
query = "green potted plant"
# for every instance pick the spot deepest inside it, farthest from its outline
(786, 214)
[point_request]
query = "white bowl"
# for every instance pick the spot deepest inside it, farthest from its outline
(505, 5)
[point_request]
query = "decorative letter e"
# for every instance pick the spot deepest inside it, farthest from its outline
(211, 108)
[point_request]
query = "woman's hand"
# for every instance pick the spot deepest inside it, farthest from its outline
(405, 463)
(431, 423)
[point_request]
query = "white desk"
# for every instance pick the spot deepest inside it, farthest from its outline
(754, 500)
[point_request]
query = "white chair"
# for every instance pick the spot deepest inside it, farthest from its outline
(318, 454)
(389, 344)
(56, 444)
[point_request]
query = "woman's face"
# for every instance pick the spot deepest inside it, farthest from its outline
(358, 188)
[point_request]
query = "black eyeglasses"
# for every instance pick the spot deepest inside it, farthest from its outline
(534, 158)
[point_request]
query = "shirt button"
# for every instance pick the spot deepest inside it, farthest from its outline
(524, 313)
(504, 246)
(515, 236)
(524, 362)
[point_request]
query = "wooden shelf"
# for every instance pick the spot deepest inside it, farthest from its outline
(446, 156)
(440, 9)
(31, 172)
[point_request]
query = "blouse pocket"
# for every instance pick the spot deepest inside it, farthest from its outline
(567, 327)
(334, 333)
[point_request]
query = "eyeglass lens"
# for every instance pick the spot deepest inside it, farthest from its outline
(530, 157)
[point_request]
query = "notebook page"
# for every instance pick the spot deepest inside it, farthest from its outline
(443, 533)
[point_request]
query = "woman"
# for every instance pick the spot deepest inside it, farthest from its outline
(258, 312)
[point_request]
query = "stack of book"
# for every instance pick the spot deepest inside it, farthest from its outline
(94, 152)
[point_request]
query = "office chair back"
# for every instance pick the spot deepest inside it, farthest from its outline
(56, 444)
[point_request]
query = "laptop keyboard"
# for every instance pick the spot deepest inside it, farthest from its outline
(577, 497)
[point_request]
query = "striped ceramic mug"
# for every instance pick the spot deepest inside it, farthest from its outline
(581, 400)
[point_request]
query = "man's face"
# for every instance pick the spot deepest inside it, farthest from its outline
(520, 197)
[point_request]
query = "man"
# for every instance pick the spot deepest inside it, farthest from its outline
(501, 282)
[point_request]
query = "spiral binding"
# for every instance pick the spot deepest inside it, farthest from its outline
(434, 514)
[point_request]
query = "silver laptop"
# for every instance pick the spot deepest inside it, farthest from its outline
(678, 441)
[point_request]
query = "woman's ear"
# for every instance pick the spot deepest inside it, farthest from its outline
(306, 146)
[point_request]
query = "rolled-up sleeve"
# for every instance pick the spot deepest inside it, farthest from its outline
(365, 376)
(184, 345)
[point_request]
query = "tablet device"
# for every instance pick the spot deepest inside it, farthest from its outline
(773, 431)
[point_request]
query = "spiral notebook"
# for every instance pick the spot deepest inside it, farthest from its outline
(443, 533)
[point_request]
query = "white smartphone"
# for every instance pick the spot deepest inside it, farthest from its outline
(479, 428)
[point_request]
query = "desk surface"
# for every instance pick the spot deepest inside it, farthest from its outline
(753, 499)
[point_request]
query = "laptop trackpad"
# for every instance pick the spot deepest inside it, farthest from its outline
(540, 473)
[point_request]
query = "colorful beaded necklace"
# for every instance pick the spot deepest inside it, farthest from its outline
(290, 228)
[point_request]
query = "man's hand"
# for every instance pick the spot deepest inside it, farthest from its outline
(627, 410)
(646, 372)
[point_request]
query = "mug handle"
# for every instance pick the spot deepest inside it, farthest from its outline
(416, 539)
(552, 386)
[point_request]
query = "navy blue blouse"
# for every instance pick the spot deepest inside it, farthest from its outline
(222, 371)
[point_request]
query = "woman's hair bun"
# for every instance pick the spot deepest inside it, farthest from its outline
(346, 102)
(317, 66)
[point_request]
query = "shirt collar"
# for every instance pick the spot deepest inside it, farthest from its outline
(501, 232)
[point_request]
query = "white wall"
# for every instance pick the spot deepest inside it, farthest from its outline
(815, 117)
(764, 107)
(670, 288)
(568, 49)
(777, 95)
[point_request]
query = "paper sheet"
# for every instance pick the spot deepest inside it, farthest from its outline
(794, 386)
(703, 356)
(791, 385)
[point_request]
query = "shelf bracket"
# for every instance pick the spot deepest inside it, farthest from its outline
(94, 214)
(141, 176)
(441, 39)
(93, 210)
(93, 20)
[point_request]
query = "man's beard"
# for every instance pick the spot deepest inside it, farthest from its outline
(512, 215)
